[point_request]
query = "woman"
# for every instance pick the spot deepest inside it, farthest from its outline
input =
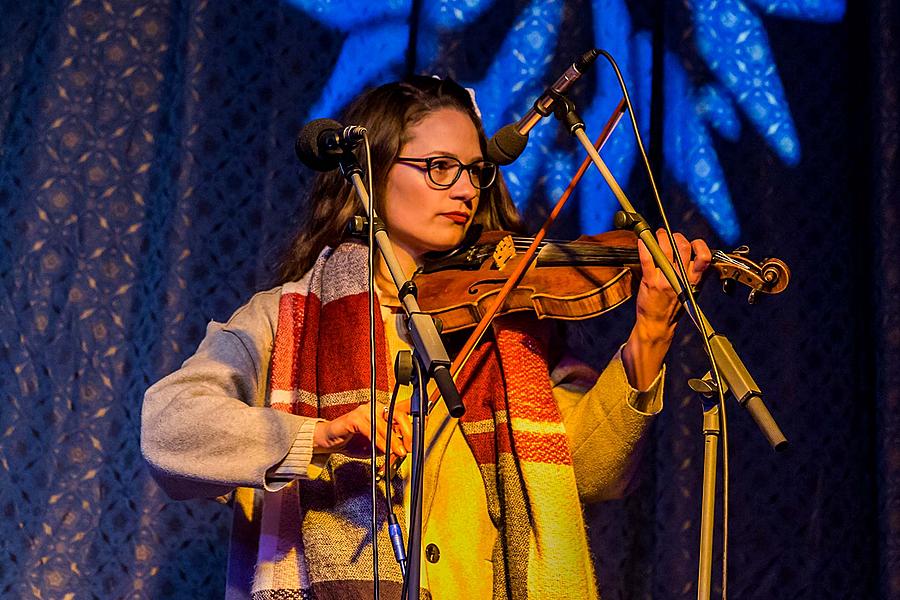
(277, 398)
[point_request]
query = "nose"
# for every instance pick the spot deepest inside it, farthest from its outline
(463, 189)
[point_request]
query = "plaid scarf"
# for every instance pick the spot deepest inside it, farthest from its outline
(315, 537)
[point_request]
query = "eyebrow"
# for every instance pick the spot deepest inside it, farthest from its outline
(436, 153)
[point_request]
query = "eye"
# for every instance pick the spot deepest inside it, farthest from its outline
(443, 165)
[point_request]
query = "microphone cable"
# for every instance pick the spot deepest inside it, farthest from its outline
(693, 308)
(402, 372)
(376, 581)
(416, 474)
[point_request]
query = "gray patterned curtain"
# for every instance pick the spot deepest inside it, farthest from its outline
(147, 182)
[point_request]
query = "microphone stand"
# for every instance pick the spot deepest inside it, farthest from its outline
(418, 409)
(724, 359)
(432, 358)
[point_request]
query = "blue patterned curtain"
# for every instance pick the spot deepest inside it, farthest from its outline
(147, 183)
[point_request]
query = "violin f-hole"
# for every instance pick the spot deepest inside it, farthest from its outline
(473, 289)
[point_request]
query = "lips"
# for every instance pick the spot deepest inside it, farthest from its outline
(460, 218)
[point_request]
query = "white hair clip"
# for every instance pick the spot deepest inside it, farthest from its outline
(471, 95)
(474, 104)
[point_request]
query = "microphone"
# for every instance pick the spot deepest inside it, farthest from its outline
(322, 141)
(509, 142)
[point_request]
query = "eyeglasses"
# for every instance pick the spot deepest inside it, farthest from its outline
(444, 171)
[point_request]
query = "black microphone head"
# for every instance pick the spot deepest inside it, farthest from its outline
(506, 145)
(308, 148)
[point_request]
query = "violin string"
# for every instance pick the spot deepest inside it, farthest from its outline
(719, 256)
(599, 248)
(553, 249)
(557, 250)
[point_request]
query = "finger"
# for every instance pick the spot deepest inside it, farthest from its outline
(403, 432)
(702, 259)
(353, 433)
(356, 422)
(684, 248)
(403, 407)
(402, 425)
(362, 422)
(397, 447)
(381, 444)
(404, 422)
(648, 267)
(664, 243)
(684, 255)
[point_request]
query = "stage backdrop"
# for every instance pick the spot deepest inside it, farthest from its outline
(147, 183)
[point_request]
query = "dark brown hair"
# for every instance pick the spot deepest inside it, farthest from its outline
(387, 112)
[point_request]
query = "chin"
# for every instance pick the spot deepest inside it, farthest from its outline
(440, 239)
(447, 242)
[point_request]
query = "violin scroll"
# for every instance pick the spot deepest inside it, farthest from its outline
(769, 277)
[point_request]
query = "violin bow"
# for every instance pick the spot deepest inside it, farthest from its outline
(528, 257)
(516, 276)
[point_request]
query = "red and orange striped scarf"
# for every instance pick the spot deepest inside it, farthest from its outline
(316, 539)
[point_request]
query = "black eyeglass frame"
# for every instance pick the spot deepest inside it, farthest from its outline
(429, 161)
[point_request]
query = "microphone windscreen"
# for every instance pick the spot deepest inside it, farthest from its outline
(506, 145)
(307, 145)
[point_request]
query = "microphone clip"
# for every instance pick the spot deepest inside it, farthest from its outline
(334, 142)
(564, 111)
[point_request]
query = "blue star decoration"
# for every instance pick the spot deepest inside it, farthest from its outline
(730, 38)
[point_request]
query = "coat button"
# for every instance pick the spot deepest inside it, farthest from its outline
(432, 553)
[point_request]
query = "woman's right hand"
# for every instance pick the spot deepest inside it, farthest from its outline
(349, 433)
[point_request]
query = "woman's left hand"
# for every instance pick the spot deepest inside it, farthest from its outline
(658, 308)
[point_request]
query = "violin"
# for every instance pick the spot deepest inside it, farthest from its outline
(568, 280)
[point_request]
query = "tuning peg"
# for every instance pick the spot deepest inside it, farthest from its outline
(753, 296)
(728, 285)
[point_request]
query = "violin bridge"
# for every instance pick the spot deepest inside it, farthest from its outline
(503, 252)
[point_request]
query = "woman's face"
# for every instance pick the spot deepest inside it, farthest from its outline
(421, 217)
